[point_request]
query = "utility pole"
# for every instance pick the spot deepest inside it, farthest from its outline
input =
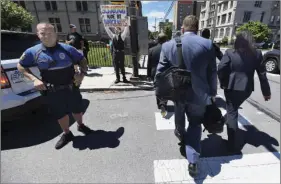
(194, 9)
(214, 20)
(134, 38)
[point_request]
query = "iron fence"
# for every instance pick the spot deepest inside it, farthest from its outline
(99, 55)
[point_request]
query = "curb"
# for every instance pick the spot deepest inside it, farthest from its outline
(264, 109)
(114, 89)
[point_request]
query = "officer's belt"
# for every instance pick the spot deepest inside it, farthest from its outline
(54, 88)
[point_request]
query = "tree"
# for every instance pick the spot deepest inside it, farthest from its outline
(168, 31)
(259, 30)
(14, 16)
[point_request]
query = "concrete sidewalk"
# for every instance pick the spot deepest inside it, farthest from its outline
(102, 79)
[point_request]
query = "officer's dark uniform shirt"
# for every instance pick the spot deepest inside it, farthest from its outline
(55, 64)
(77, 39)
(118, 44)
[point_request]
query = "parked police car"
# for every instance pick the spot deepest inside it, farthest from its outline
(18, 94)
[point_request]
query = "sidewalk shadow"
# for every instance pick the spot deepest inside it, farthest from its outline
(94, 75)
(99, 139)
(32, 130)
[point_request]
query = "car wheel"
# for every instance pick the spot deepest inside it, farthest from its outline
(271, 65)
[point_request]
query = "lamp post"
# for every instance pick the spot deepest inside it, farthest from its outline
(134, 37)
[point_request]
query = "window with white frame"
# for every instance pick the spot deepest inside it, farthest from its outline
(56, 23)
(231, 4)
(272, 19)
(203, 14)
(225, 6)
(229, 17)
(221, 32)
(223, 19)
(258, 4)
(219, 19)
(247, 16)
(202, 23)
(216, 33)
(51, 5)
(85, 25)
(278, 20)
(227, 31)
(82, 5)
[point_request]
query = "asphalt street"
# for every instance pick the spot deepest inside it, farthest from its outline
(131, 144)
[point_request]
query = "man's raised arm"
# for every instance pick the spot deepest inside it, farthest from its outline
(108, 31)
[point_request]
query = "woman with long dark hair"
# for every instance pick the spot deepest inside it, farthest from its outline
(236, 75)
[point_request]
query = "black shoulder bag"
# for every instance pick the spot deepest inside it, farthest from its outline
(174, 83)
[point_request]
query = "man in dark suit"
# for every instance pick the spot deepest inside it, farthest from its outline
(199, 58)
(153, 60)
(206, 34)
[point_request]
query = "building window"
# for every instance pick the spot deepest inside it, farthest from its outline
(258, 4)
(219, 19)
(203, 15)
(223, 19)
(20, 3)
(203, 5)
(229, 17)
(231, 4)
(278, 20)
(272, 19)
(262, 16)
(85, 25)
(202, 23)
(216, 33)
(56, 23)
(225, 6)
(82, 5)
(227, 31)
(221, 32)
(219, 8)
(51, 5)
(247, 16)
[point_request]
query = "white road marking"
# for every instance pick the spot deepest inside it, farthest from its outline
(230, 169)
(169, 122)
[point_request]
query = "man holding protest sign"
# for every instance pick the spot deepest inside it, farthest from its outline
(118, 46)
(115, 16)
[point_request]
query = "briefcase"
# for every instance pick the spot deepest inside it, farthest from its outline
(175, 83)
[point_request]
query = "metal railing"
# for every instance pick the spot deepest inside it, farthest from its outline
(99, 55)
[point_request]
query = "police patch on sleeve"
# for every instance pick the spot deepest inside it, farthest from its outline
(22, 56)
(61, 55)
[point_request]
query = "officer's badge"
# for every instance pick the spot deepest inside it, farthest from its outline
(22, 56)
(61, 55)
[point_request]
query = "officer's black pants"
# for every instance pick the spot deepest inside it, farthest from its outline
(118, 62)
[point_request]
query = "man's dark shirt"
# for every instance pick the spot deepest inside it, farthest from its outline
(219, 54)
(77, 39)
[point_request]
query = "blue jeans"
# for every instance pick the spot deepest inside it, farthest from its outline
(195, 115)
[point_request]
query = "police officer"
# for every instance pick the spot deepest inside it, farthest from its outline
(118, 46)
(59, 78)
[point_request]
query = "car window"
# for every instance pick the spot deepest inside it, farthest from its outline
(14, 44)
(277, 45)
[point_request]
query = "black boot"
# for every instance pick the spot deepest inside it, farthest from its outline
(232, 142)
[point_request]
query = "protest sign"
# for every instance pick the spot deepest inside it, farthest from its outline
(114, 15)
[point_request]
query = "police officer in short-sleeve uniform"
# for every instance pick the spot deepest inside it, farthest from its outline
(56, 65)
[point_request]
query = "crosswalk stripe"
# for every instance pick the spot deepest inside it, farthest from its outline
(169, 122)
(227, 169)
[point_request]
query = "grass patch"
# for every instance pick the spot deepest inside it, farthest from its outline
(101, 57)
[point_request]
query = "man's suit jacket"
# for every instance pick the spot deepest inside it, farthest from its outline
(236, 71)
(200, 59)
(153, 60)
